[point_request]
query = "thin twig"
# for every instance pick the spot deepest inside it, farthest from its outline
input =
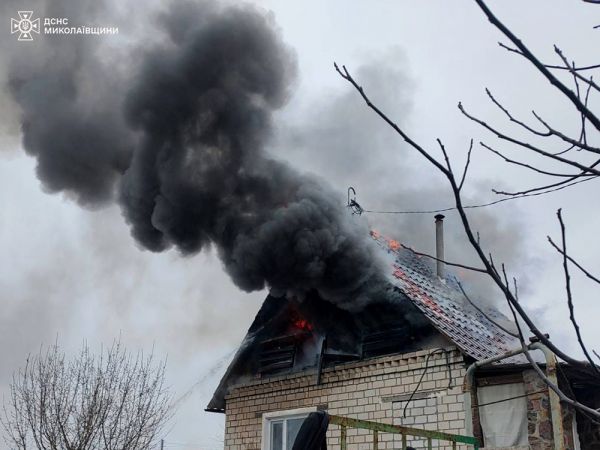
(571, 68)
(526, 145)
(530, 191)
(573, 261)
(512, 118)
(564, 137)
(462, 266)
(446, 159)
(528, 166)
(482, 205)
(569, 293)
(511, 333)
(346, 75)
(464, 175)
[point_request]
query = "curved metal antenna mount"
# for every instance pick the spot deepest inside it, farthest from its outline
(352, 203)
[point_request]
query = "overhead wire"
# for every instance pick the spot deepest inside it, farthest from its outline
(481, 205)
(429, 355)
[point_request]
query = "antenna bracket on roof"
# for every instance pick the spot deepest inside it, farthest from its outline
(352, 203)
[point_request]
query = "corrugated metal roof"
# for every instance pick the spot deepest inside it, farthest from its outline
(446, 307)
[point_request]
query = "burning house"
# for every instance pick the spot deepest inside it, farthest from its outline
(430, 359)
(175, 132)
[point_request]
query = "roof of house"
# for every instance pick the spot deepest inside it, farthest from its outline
(479, 332)
(378, 328)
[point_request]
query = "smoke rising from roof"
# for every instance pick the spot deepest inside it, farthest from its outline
(388, 175)
(178, 141)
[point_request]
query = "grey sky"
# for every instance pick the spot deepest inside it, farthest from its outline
(78, 274)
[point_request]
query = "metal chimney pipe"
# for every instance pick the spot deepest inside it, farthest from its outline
(439, 244)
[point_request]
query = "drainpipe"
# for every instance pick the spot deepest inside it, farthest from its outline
(555, 407)
(471, 402)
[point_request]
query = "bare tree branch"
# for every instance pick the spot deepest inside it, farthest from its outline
(586, 171)
(564, 137)
(571, 68)
(569, 293)
(546, 187)
(573, 261)
(488, 263)
(472, 303)
(541, 68)
(462, 266)
(464, 175)
(543, 376)
(582, 167)
(115, 402)
(578, 69)
(513, 119)
(535, 169)
(406, 138)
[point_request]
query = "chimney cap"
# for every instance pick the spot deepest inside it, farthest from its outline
(439, 217)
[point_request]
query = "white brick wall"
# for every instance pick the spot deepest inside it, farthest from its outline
(377, 389)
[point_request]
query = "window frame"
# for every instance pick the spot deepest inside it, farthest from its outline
(274, 416)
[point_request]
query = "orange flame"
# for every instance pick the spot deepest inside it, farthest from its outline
(303, 324)
(394, 245)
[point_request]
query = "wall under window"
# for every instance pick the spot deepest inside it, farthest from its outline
(370, 389)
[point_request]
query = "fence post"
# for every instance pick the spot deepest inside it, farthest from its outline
(343, 438)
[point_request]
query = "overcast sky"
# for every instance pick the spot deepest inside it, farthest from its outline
(76, 274)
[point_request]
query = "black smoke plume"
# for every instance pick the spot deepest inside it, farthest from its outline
(179, 142)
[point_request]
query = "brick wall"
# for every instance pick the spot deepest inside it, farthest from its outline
(539, 419)
(377, 389)
(539, 415)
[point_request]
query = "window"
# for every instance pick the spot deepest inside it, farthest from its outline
(281, 428)
(503, 422)
(277, 354)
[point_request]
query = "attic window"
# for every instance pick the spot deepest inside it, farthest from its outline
(385, 342)
(277, 354)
